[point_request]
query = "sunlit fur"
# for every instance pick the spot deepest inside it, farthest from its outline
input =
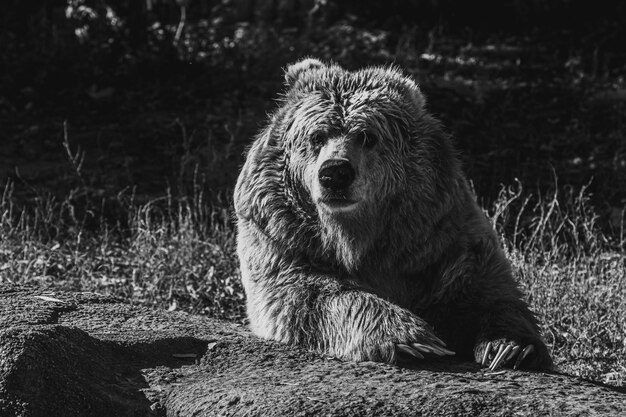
(415, 255)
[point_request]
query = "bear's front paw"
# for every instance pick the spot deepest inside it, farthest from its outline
(501, 352)
(414, 338)
(401, 336)
(421, 341)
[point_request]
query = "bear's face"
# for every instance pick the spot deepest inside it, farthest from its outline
(352, 161)
(342, 159)
(349, 136)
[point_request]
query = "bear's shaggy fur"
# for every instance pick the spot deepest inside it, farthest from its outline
(386, 247)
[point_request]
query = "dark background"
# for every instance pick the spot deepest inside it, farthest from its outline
(118, 97)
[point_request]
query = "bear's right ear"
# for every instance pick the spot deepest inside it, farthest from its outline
(295, 71)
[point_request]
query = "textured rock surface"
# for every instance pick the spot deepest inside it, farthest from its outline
(94, 356)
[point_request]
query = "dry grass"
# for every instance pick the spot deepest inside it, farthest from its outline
(574, 276)
(169, 253)
(179, 253)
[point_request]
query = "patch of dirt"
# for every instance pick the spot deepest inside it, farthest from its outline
(78, 354)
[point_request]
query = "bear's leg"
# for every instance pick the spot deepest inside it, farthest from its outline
(290, 301)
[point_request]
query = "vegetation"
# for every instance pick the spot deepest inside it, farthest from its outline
(179, 254)
(123, 131)
(573, 275)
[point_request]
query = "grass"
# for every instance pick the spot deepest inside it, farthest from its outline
(169, 253)
(573, 275)
(179, 254)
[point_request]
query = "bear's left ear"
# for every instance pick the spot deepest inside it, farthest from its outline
(414, 92)
(295, 71)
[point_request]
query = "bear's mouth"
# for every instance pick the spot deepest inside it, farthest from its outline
(339, 204)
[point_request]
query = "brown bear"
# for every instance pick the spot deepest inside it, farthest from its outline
(358, 234)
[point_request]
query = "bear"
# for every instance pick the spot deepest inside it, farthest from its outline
(359, 237)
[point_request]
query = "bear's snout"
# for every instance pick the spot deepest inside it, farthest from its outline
(336, 174)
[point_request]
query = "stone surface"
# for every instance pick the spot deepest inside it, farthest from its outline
(89, 355)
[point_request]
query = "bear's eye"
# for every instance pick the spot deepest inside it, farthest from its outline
(366, 140)
(317, 140)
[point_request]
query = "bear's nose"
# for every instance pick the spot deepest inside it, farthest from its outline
(336, 174)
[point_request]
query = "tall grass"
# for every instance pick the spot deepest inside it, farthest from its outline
(175, 253)
(574, 275)
(179, 254)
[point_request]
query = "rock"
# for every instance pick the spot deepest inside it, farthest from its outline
(82, 354)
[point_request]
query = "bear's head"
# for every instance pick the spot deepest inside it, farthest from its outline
(348, 135)
(362, 156)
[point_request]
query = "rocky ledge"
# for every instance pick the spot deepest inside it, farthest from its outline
(83, 354)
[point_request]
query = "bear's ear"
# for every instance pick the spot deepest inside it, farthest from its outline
(295, 71)
(414, 92)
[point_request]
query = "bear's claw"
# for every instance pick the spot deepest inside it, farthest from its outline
(501, 353)
(418, 349)
(486, 354)
(437, 350)
(438, 340)
(527, 351)
(409, 350)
